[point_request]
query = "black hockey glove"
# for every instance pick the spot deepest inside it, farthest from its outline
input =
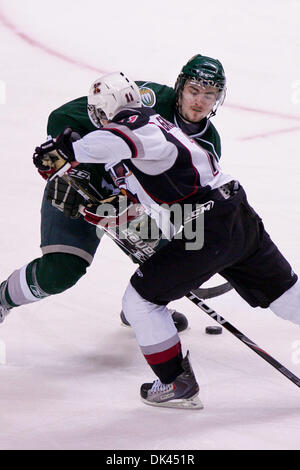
(64, 197)
(50, 152)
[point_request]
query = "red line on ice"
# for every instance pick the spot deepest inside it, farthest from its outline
(33, 42)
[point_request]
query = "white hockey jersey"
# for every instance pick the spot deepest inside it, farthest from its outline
(153, 159)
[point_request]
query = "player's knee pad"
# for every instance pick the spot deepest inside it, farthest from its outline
(48, 275)
(287, 306)
(57, 272)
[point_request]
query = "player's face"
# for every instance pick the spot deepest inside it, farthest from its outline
(104, 122)
(196, 102)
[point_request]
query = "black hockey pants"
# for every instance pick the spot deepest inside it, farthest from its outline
(236, 246)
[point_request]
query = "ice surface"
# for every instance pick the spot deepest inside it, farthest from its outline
(73, 373)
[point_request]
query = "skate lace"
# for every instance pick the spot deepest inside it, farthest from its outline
(158, 386)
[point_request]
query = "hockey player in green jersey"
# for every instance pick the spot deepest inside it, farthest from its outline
(68, 243)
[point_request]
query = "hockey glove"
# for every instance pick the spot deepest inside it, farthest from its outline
(55, 153)
(62, 196)
(117, 210)
(46, 174)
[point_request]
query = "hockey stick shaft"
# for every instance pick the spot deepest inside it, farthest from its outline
(138, 248)
(210, 292)
(239, 335)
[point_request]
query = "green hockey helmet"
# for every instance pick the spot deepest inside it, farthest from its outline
(206, 71)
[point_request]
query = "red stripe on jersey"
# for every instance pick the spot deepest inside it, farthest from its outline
(163, 356)
(123, 136)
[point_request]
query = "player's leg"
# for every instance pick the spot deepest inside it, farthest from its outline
(168, 275)
(266, 279)
(68, 247)
(158, 339)
(287, 306)
(179, 319)
(49, 275)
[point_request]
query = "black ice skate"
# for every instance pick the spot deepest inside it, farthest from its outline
(180, 320)
(182, 393)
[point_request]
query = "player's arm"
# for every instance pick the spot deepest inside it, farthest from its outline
(102, 146)
(99, 146)
(62, 190)
(72, 114)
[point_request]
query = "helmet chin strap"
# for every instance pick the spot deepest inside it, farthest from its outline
(212, 113)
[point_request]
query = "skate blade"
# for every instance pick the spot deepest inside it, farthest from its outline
(192, 403)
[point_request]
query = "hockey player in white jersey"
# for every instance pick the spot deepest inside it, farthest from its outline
(159, 164)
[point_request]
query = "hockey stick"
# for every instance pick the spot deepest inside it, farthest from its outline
(138, 248)
(239, 335)
(210, 292)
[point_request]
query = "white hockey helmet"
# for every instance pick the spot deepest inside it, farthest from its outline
(110, 94)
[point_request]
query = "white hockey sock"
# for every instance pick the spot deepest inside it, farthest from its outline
(287, 306)
(21, 292)
(152, 324)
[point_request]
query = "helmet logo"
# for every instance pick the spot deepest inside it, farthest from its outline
(205, 75)
(96, 88)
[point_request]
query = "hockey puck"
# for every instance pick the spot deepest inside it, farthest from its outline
(213, 330)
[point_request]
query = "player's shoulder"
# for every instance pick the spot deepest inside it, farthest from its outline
(73, 114)
(154, 94)
(78, 104)
(213, 131)
(211, 137)
(134, 119)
